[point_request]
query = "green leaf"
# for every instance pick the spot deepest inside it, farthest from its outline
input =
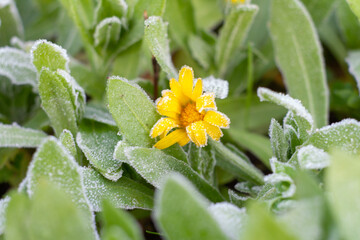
(97, 112)
(353, 60)
(10, 22)
(118, 219)
(310, 157)
(320, 9)
(299, 57)
(344, 135)
(201, 51)
(49, 214)
(45, 54)
(343, 185)
(279, 144)
(51, 162)
(201, 161)
(260, 218)
(132, 110)
(19, 137)
(293, 105)
(349, 25)
(355, 7)
(153, 7)
(179, 198)
(205, 8)
(68, 141)
(154, 165)
(98, 141)
(124, 193)
(3, 208)
(16, 65)
(230, 218)
(158, 43)
(257, 144)
(233, 34)
(81, 11)
(57, 100)
(180, 15)
(110, 8)
(127, 62)
(107, 32)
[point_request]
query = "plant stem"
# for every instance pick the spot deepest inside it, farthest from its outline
(156, 69)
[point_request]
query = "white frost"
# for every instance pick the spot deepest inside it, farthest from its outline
(215, 85)
(279, 178)
(3, 206)
(310, 157)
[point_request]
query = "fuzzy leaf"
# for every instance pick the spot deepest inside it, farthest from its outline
(343, 185)
(215, 85)
(10, 22)
(202, 162)
(132, 110)
(124, 193)
(353, 60)
(107, 32)
(179, 198)
(3, 208)
(52, 162)
(303, 66)
(45, 54)
(16, 65)
(310, 157)
(98, 142)
(319, 10)
(154, 165)
(157, 40)
(110, 8)
(233, 34)
(57, 101)
(201, 51)
(68, 141)
(16, 136)
(97, 112)
(279, 144)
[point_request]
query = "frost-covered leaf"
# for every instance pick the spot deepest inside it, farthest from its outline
(3, 206)
(157, 40)
(283, 183)
(236, 164)
(280, 167)
(202, 161)
(343, 184)
(279, 144)
(51, 162)
(293, 105)
(344, 135)
(10, 22)
(154, 165)
(119, 224)
(48, 214)
(57, 102)
(67, 140)
(16, 136)
(233, 34)
(132, 110)
(355, 7)
(98, 141)
(319, 10)
(16, 65)
(230, 218)
(124, 193)
(110, 8)
(263, 225)
(98, 113)
(179, 198)
(107, 32)
(49, 55)
(303, 66)
(215, 85)
(310, 157)
(353, 60)
(153, 8)
(201, 51)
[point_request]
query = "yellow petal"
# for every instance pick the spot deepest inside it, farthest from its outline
(186, 78)
(174, 137)
(177, 90)
(197, 90)
(205, 101)
(168, 102)
(184, 141)
(217, 119)
(173, 115)
(197, 134)
(213, 131)
(163, 126)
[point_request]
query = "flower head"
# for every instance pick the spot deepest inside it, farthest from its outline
(192, 113)
(238, 1)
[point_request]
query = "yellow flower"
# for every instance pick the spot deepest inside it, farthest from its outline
(189, 110)
(238, 1)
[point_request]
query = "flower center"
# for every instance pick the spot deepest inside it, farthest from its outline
(189, 114)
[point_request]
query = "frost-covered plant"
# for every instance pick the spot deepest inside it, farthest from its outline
(77, 146)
